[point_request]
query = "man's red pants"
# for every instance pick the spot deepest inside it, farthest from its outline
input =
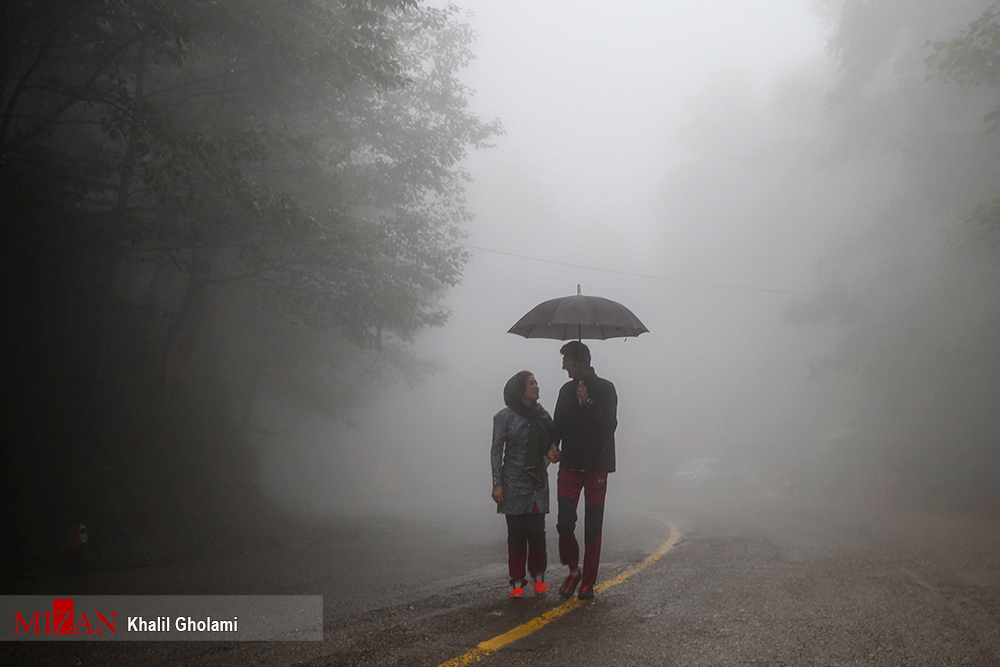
(594, 484)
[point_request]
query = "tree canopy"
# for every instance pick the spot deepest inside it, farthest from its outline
(916, 291)
(210, 202)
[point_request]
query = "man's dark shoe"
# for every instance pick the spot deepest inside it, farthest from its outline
(586, 593)
(569, 586)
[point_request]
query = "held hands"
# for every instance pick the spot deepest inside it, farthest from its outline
(554, 454)
(497, 494)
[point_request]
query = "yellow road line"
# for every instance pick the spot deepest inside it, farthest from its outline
(520, 632)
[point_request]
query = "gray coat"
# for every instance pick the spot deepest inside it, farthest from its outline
(510, 443)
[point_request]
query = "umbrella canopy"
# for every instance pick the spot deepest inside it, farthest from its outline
(577, 317)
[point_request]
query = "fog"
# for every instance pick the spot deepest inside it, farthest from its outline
(233, 240)
(677, 157)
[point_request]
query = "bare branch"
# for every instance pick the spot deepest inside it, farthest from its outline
(44, 125)
(42, 49)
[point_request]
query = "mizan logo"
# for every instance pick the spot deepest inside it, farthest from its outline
(62, 621)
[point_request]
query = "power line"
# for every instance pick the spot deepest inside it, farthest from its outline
(642, 275)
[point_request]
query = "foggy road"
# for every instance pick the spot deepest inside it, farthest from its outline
(263, 259)
(752, 580)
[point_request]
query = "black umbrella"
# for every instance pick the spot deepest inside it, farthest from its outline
(579, 317)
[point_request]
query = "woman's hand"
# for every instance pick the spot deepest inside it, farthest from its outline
(497, 494)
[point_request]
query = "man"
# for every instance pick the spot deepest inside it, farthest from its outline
(586, 416)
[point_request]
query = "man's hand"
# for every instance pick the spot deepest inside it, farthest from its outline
(497, 494)
(554, 454)
(581, 393)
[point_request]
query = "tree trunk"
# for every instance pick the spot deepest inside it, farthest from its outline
(121, 205)
(171, 355)
(250, 398)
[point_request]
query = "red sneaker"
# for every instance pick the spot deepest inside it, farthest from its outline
(540, 585)
(586, 592)
(517, 589)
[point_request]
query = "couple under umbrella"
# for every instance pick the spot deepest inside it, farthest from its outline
(580, 437)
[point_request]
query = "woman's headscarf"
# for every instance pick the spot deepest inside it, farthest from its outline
(539, 426)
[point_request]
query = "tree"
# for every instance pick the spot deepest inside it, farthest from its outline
(175, 169)
(971, 60)
(914, 297)
(314, 148)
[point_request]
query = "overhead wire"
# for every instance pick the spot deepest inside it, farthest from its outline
(641, 275)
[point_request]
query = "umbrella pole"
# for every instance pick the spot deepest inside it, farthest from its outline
(579, 327)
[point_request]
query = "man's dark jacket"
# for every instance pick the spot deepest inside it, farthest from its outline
(587, 432)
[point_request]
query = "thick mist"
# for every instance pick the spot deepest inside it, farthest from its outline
(778, 194)
(265, 256)
(673, 157)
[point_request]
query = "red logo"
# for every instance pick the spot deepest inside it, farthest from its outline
(62, 621)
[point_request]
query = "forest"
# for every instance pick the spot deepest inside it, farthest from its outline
(215, 211)
(209, 207)
(917, 290)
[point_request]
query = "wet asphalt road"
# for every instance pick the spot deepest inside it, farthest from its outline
(753, 581)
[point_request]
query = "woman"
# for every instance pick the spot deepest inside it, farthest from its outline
(520, 480)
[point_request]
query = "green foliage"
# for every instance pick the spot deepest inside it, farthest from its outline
(986, 218)
(262, 198)
(315, 148)
(914, 293)
(970, 59)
